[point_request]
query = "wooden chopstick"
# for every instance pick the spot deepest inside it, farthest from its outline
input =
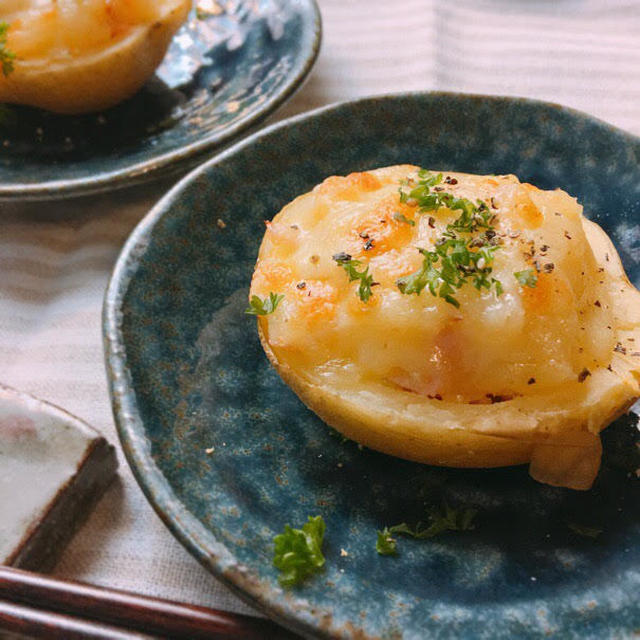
(40, 606)
(34, 623)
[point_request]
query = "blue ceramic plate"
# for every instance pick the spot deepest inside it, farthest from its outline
(187, 373)
(232, 64)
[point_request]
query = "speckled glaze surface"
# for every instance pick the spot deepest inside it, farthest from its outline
(228, 67)
(187, 373)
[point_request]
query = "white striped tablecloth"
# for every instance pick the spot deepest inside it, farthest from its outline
(55, 259)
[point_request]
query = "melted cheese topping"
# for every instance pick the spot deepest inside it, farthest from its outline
(525, 342)
(61, 29)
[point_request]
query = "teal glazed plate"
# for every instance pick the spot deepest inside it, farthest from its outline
(228, 67)
(227, 454)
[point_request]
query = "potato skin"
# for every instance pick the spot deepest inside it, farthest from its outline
(557, 433)
(99, 80)
(435, 445)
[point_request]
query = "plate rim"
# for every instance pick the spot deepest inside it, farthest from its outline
(183, 157)
(183, 525)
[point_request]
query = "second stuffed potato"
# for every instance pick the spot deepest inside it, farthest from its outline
(75, 56)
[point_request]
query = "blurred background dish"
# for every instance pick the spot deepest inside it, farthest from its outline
(84, 57)
(228, 67)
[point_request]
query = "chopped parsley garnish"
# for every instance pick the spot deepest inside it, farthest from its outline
(463, 253)
(6, 57)
(259, 307)
(441, 519)
(527, 278)
(421, 192)
(298, 552)
(386, 545)
(400, 217)
(472, 216)
(457, 263)
(345, 261)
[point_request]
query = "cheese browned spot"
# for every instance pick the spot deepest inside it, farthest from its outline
(418, 377)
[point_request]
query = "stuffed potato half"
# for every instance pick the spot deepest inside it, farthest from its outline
(452, 319)
(75, 57)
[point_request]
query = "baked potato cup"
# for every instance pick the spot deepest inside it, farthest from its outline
(75, 57)
(529, 370)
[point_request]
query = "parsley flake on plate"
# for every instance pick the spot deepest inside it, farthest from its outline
(441, 519)
(386, 545)
(298, 552)
(259, 307)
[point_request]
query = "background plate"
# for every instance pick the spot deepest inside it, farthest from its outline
(187, 373)
(232, 64)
